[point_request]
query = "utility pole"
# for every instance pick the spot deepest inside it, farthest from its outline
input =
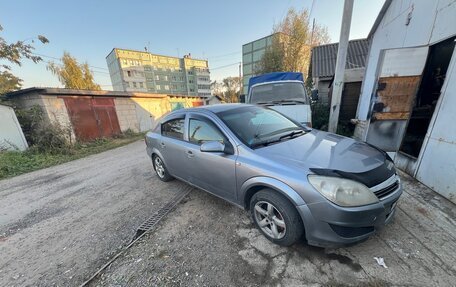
(338, 83)
(241, 82)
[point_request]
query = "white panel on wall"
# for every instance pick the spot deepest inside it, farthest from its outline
(11, 136)
(445, 21)
(404, 62)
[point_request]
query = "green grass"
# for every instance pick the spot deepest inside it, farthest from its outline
(14, 163)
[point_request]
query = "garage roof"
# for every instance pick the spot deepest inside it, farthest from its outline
(324, 57)
(73, 92)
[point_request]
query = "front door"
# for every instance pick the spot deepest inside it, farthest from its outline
(212, 171)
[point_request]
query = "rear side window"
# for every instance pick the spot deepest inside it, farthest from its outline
(203, 131)
(173, 129)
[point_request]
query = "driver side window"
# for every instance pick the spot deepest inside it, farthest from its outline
(201, 131)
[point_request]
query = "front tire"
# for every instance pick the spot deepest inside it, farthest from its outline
(160, 169)
(276, 217)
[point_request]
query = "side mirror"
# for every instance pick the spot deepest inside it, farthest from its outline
(212, 146)
(242, 98)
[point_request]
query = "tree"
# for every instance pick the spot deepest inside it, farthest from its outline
(292, 42)
(72, 74)
(232, 88)
(228, 89)
(14, 53)
(217, 88)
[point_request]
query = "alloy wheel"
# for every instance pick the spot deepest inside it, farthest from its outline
(270, 220)
(159, 167)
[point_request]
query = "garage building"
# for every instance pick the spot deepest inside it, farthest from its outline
(97, 114)
(408, 96)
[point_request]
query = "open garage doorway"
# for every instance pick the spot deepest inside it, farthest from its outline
(427, 96)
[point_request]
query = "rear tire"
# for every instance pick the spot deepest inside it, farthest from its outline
(160, 169)
(275, 216)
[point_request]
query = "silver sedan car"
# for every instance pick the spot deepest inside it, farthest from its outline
(296, 182)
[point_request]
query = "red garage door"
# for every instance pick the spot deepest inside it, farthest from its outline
(92, 118)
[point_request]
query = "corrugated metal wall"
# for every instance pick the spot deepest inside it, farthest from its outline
(92, 118)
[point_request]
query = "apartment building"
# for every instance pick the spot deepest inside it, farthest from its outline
(142, 71)
(251, 56)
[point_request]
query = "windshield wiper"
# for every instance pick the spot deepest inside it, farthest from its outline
(292, 134)
(264, 143)
(289, 101)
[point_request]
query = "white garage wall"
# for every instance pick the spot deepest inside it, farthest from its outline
(437, 166)
(11, 136)
(430, 22)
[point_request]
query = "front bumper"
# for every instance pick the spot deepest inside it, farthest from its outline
(330, 225)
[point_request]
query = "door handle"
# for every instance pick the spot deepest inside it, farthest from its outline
(190, 154)
(162, 144)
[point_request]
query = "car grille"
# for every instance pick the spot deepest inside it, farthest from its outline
(387, 190)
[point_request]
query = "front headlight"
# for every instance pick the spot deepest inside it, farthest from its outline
(343, 192)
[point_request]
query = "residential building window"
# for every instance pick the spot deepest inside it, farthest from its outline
(157, 77)
(129, 73)
(141, 84)
(192, 89)
(158, 87)
(166, 87)
(190, 81)
(165, 78)
(134, 84)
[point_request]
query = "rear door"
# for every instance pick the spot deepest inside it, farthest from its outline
(212, 171)
(172, 145)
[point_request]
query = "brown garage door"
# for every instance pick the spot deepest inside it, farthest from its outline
(92, 118)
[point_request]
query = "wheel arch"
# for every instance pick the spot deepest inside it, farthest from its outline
(255, 184)
(156, 152)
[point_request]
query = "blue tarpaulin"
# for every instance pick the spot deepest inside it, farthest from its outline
(277, 76)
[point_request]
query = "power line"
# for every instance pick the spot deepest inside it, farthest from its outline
(60, 60)
(225, 66)
(61, 65)
(224, 55)
(222, 60)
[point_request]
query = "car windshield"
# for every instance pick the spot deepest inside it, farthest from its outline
(278, 92)
(256, 126)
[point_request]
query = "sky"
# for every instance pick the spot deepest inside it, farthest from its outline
(210, 29)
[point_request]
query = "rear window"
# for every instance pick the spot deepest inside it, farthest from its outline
(268, 93)
(173, 129)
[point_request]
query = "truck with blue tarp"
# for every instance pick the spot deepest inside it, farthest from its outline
(284, 92)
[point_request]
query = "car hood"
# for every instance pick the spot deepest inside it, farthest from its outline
(324, 151)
